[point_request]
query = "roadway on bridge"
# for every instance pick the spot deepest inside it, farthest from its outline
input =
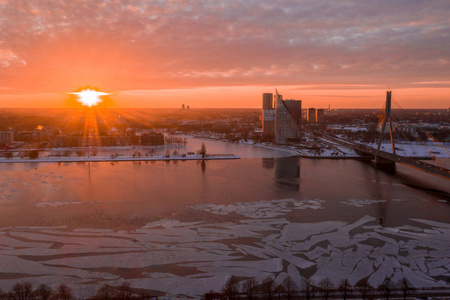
(371, 152)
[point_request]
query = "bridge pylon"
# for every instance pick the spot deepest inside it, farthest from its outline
(387, 119)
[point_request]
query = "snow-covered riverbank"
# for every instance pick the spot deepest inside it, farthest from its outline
(119, 158)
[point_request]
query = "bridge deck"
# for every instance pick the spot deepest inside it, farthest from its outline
(407, 161)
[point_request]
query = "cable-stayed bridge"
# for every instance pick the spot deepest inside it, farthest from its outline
(383, 157)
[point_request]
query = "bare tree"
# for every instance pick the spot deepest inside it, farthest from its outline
(363, 288)
(326, 286)
(231, 288)
(202, 150)
(64, 292)
(278, 291)
(344, 288)
(268, 287)
(308, 288)
(44, 292)
(3, 295)
(22, 291)
(125, 291)
(387, 287)
(405, 286)
(250, 287)
(289, 287)
(106, 292)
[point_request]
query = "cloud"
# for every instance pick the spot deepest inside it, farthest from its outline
(181, 44)
(8, 58)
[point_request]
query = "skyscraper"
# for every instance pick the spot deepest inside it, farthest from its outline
(320, 116)
(311, 116)
(287, 119)
(268, 116)
(267, 101)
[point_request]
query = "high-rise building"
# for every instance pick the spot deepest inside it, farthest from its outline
(267, 101)
(295, 108)
(311, 116)
(269, 123)
(320, 119)
(268, 116)
(287, 120)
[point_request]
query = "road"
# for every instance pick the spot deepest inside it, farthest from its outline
(407, 161)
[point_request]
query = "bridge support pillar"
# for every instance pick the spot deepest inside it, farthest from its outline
(384, 164)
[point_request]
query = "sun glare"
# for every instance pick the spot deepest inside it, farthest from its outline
(89, 97)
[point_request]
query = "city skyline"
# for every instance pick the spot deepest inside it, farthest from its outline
(225, 54)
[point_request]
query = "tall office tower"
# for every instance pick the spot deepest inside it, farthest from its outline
(287, 120)
(268, 116)
(312, 116)
(267, 101)
(320, 116)
(295, 107)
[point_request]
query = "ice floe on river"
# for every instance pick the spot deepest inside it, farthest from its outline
(192, 258)
(261, 209)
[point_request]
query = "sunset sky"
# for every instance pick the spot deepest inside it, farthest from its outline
(226, 53)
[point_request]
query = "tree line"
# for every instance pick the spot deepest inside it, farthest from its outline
(307, 289)
(232, 290)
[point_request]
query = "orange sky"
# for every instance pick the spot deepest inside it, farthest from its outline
(225, 53)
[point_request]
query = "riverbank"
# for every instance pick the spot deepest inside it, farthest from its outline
(119, 158)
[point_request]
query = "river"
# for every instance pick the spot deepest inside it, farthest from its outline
(264, 209)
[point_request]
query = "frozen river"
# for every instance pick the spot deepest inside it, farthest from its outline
(186, 227)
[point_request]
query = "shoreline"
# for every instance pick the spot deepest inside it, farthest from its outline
(117, 159)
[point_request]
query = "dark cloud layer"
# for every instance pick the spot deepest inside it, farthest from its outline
(48, 46)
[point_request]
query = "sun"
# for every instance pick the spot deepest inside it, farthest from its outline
(89, 97)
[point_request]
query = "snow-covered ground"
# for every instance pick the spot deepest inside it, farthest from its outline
(117, 158)
(402, 149)
(192, 258)
(415, 149)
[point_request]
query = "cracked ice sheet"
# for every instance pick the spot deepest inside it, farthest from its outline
(299, 232)
(340, 238)
(140, 259)
(13, 264)
(344, 246)
(11, 242)
(169, 283)
(334, 270)
(361, 202)
(77, 240)
(363, 269)
(203, 233)
(432, 223)
(252, 269)
(261, 209)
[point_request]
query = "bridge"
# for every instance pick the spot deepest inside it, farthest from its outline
(382, 157)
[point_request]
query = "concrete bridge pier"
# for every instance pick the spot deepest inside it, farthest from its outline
(384, 164)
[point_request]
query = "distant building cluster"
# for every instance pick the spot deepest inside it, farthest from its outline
(281, 118)
(315, 116)
(183, 107)
(6, 138)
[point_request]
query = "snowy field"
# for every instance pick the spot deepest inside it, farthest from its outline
(420, 150)
(402, 149)
(191, 258)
